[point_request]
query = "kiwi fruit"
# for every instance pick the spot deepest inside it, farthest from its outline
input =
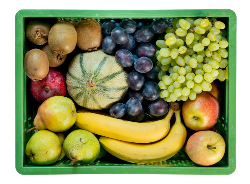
(36, 64)
(55, 58)
(89, 34)
(37, 31)
(62, 37)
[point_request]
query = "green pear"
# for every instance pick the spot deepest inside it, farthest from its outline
(57, 114)
(43, 148)
(61, 138)
(81, 145)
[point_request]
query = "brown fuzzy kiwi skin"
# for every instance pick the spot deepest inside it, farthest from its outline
(55, 59)
(37, 31)
(36, 64)
(89, 34)
(62, 37)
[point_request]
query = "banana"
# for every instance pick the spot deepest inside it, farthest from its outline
(151, 152)
(129, 131)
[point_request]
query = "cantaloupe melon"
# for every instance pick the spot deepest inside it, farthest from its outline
(95, 80)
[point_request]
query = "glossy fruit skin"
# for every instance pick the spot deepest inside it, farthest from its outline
(120, 35)
(158, 108)
(201, 113)
(108, 26)
(144, 34)
(151, 90)
(130, 44)
(108, 45)
(152, 74)
(129, 25)
(124, 58)
(54, 84)
(146, 50)
(133, 106)
(159, 25)
(118, 110)
(143, 65)
(137, 94)
(135, 80)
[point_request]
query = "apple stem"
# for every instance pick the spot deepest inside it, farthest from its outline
(195, 117)
(211, 147)
(28, 131)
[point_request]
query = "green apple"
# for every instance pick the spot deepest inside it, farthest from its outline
(43, 148)
(201, 113)
(205, 147)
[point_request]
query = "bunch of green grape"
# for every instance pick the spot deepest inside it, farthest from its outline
(192, 55)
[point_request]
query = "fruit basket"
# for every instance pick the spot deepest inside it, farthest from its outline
(26, 107)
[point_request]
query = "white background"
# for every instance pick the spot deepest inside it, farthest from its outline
(9, 8)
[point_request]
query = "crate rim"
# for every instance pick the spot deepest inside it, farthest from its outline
(162, 13)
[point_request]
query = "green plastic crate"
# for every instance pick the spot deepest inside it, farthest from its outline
(26, 107)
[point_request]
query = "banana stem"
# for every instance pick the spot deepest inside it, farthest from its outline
(175, 106)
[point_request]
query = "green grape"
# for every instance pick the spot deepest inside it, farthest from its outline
(218, 38)
(171, 70)
(204, 23)
(208, 27)
(198, 78)
(182, 71)
(171, 88)
(193, 63)
(190, 76)
(181, 32)
(166, 60)
(197, 22)
(161, 74)
(161, 44)
(199, 30)
(199, 66)
(159, 57)
(199, 58)
(205, 42)
(173, 98)
(202, 53)
(213, 20)
(197, 88)
(198, 47)
(168, 35)
(187, 59)
(189, 38)
(208, 77)
(165, 67)
(208, 53)
(167, 80)
(173, 62)
(215, 31)
(165, 52)
(176, 68)
(158, 69)
(207, 68)
(211, 36)
(162, 85)
(219, 25)
(205, 86)
(177, 92)
(191, 21)
(214, 64)
(184, 24)
(174, 76)
(192, 95)
(190, 51)
(180, 61)
(182, 49)
(185, 91)
(170, 30)
(199, 71)
(213, 46)
(175, 23)
(188, 69)
(168, 99)
(158, 64)
(180, 78)
(194, 56)
(179, 42)
(190, 84)
(164, 93)
(223, 52)
(223, 44)
(221, 76)
(215, 73)
(223, 63)
(216, 56)
(170, 40)
(177, 84)
(174, 53)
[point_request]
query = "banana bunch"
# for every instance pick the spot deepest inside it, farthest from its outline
(136, 142)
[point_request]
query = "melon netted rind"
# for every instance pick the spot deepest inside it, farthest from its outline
(95, 80)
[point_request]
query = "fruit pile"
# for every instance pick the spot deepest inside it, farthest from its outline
(192, 55)
(121, 88)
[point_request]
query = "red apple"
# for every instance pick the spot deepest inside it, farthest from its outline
(216, 90)
(201, 113)
(54, 84)
(205, 147)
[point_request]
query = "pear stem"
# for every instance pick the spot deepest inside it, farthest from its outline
(73, 161)
(28, 131)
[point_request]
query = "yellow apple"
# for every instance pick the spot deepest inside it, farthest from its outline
(205, 147)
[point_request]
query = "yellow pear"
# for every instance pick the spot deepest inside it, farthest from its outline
(57, 114)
